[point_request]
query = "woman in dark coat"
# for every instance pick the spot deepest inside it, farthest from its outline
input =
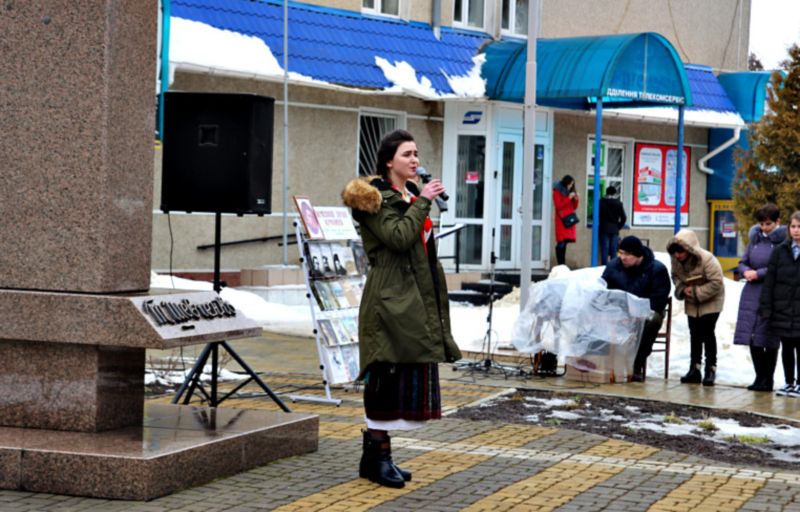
(751, 329)
(404, 319)
(780, 303)
(565, 200)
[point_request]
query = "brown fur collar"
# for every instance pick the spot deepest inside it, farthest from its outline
(361, 194)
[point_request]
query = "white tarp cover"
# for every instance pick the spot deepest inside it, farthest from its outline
(580, 317)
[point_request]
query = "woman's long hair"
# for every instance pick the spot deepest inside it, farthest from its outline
(388, 149)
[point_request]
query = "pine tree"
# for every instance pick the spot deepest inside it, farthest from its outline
(770, 170)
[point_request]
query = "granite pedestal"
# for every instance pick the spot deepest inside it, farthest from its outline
(72, 414)
(174, 447)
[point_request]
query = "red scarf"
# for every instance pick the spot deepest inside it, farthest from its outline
(427, 226)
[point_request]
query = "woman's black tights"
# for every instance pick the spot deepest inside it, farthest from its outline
(789, 357)
(561, 253)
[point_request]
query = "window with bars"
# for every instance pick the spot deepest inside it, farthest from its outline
(372, 128)
(469, 13)
(390, 7)
(515, 17)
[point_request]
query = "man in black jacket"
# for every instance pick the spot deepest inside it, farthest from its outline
(612, 219)
(637, 272)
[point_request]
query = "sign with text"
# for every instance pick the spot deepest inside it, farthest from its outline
(336, 223)
(654, 174)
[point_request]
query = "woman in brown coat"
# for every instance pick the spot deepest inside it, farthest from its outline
(698, 282)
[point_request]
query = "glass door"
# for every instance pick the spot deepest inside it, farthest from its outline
(508, 197)
(508, 201)
(539, 247)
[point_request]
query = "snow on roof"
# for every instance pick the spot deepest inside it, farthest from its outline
(327, 47)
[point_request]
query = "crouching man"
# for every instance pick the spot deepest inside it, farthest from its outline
(637, 271)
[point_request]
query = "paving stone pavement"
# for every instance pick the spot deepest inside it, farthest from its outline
(461, 465)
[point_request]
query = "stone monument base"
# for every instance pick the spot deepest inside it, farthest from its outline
(177, 446)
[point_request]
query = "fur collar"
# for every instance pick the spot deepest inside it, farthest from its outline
(363, 194)
(366, 193)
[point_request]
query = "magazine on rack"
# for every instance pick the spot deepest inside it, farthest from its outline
(328, 333)
(324, 295)
(334, 363)
(314, 258)
(338, 294)
(344, 262)
(350, 359)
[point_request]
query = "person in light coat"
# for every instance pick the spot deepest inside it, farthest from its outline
(698, 280)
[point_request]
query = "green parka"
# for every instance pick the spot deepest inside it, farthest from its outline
(404, 315)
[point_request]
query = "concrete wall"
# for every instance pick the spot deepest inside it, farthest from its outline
(323, 146)
(710, 32)
(569, 157)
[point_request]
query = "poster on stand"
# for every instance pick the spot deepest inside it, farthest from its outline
(336, 223)
(655, 167)
(308, 217)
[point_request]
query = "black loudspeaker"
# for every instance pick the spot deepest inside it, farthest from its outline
(217, 154)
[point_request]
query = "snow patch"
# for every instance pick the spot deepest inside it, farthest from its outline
(565, 415)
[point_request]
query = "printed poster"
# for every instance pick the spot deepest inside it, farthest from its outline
(655, 167)
(336, 222)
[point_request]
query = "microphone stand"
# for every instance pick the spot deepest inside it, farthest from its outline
(487, 363)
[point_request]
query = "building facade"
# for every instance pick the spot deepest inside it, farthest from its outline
(473, 142)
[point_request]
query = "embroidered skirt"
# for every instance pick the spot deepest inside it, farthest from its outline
(402, 391)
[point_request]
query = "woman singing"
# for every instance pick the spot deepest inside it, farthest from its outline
(404, 320)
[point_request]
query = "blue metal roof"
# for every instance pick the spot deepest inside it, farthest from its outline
(748, 90)
(339, 46)
(624, 70)
(707, 92)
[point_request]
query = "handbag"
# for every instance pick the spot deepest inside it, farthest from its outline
(570, 220)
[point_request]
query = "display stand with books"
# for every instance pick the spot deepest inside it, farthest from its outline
(334, 269)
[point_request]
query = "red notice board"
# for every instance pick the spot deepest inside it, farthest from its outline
(654, 185)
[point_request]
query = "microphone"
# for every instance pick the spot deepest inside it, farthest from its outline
(426, 177)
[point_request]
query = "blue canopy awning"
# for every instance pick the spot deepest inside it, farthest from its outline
(748, 91)
(623, 70)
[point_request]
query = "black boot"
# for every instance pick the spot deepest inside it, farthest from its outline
(757, 355)
(710, 375)
(693, 376)
(376, 462)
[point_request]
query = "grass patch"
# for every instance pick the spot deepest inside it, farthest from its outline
(708, 426)
(553, 421)
(672, 418)
(574, 403)
(745, 439)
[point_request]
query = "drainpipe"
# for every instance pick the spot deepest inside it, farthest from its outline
(165, 22)
(436, 19)
(719, 149)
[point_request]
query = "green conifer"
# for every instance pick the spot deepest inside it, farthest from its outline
(770, 170)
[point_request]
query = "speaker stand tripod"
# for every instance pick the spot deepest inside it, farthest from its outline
(192, 381)
(487, 364)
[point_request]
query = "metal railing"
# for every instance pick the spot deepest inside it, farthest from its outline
(447, 230)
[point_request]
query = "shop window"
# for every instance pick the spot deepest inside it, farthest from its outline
(612, 164)
(515, 17)
(468, 13)
(390, 7)
(372, 128)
